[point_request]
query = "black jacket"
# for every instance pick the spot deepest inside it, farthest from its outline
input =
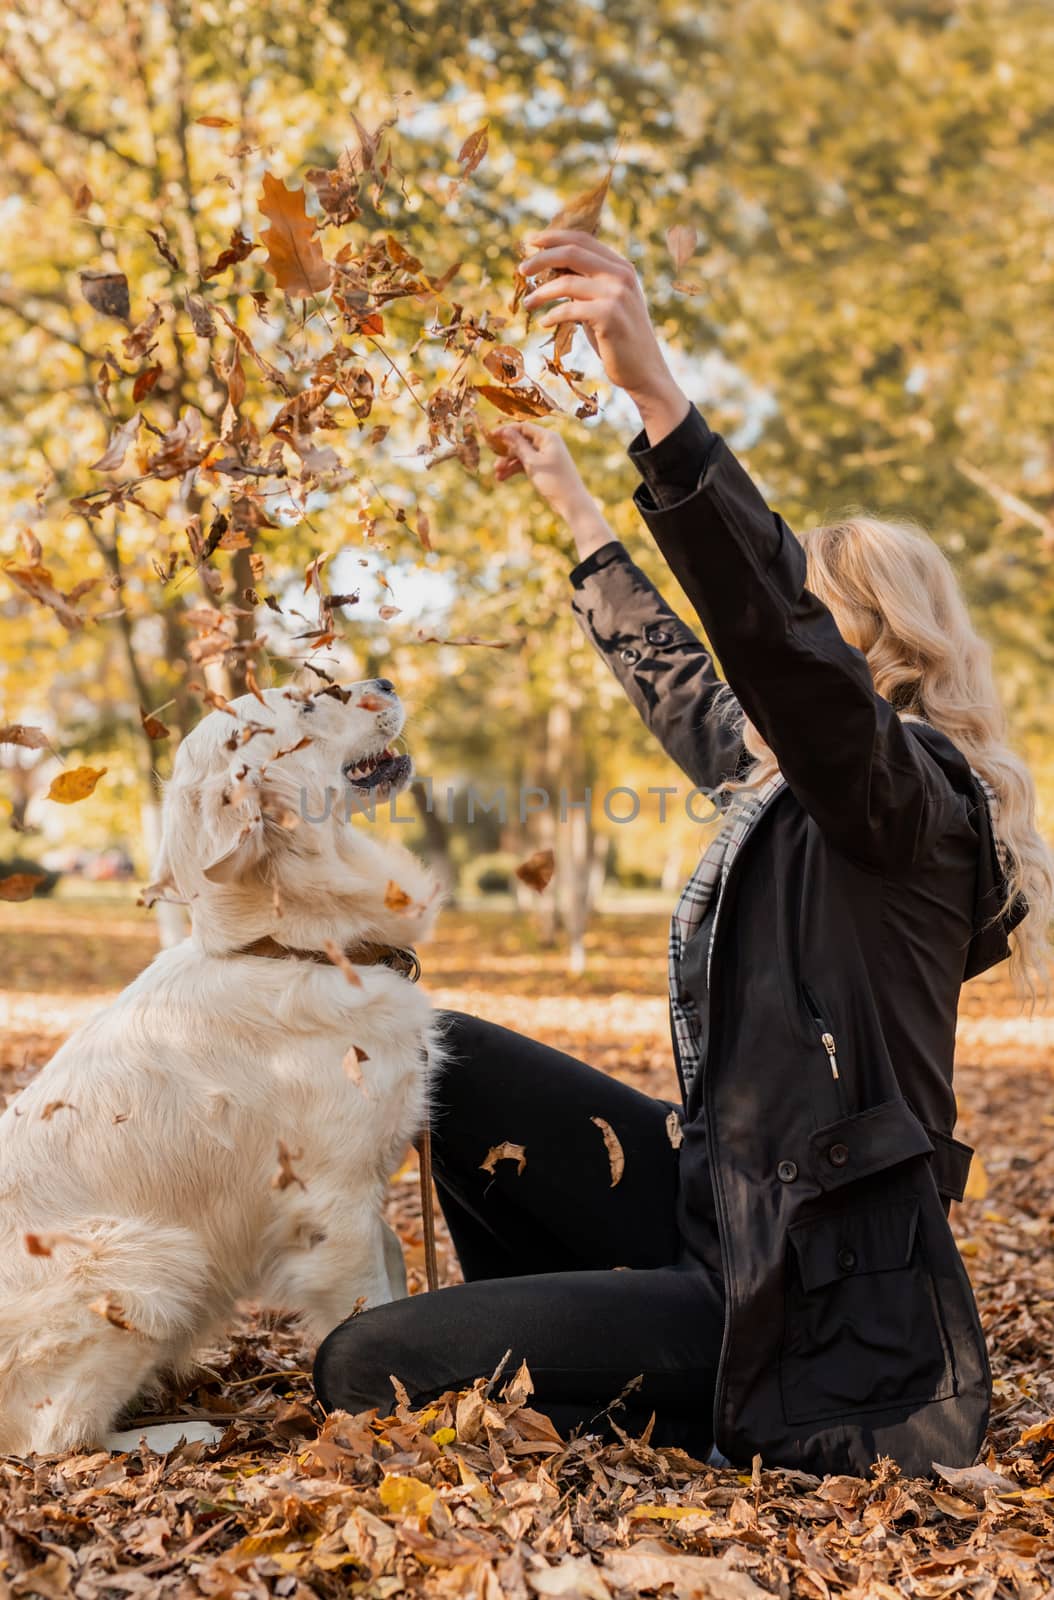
(860, 901)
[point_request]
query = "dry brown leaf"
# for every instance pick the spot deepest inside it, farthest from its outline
(76, 784)
(339, 959)
(294, 255)
(108, 1307)
(136, 344)
(53, 1106)
(504, 362)
(43, 1244)
(519, 403)
(107, 292)
(473, 150)
(153, 727)
(21, 733)
(120, 442)
(537, 871)
(682, 241)
(82, 197)
(353, 1066)
(145, 382)
(285, 1177)
(505, 1152)
(237, 250)
(21, 885)
(614, 1149)
(397, 899)
(214, 122)
(39, 583)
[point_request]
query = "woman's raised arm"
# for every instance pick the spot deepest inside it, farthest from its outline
(665, 670)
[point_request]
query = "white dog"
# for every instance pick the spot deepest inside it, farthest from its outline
(227, 1127)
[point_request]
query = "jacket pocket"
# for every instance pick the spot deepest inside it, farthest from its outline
(862, 1328)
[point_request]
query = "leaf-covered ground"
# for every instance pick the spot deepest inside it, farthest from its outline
(477, 1496)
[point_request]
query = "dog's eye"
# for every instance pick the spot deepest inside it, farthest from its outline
(308, 705)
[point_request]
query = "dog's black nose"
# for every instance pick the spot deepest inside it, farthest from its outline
(385, 685)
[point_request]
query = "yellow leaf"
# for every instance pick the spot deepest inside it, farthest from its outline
(669, 1513)
(977, 1182)
(406, 1495)
(77, 784)
(444, 1435)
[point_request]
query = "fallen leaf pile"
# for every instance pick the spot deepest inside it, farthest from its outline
(476, 1494)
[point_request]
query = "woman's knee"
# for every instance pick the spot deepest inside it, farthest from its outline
(352, 1368)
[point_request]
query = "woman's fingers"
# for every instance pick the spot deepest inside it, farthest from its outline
(549, 239)
(588, 312)
(574, 283)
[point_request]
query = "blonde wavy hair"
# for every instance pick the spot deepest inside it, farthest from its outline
(895, 597)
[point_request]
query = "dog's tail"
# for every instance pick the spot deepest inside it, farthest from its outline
(92, 1316)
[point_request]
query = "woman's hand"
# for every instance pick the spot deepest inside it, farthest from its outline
(545, 458)
(601, 290)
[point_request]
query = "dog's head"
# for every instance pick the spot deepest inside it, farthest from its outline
(269, 821)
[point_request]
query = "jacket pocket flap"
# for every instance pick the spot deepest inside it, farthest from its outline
(869, 1142)
(880, 1239)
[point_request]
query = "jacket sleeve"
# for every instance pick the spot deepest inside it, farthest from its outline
(662, 666)
(868, 783)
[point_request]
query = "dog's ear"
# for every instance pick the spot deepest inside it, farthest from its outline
(249, 823)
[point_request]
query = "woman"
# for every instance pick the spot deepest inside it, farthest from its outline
(790, 1285)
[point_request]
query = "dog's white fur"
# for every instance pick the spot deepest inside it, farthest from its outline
(149, 1144)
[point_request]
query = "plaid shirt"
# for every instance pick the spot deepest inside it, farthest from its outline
(707, 881)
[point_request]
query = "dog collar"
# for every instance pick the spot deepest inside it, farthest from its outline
(403, 961)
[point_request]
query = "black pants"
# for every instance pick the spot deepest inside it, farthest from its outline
(538, 1249)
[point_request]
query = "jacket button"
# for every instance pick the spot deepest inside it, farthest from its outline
(838, 1155)
(846, 1260)
(629, 655)
(787, 1171)
(657, 635)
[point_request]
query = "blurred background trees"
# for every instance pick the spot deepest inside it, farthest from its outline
(866, 314)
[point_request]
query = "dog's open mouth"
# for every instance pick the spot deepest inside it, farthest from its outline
(385, 770)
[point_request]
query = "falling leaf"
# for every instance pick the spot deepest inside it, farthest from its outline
(180, 449)
(519, 403)
(153, 727)
(145, 382)
(537, 871)
(505, 1152)
(613, 1147)
(337, 188)
(107, 292)
(214, 122)
(386, 613)
(353, 1065)
(136, 344)
(38, 582)
(113, 1312)
(294, 255)
(396, 899)
(21, 885)
(473, 150)
(681, 241)
(339, 959)
(53, 1106)
(121, 440)
(20, 733)
(505, 362)
(82, 197)
(285, 1176)
(424, 530)
(76, 784)
(675, 1129)
(201, 318)
(45, 1244)
(583, 213)
(236, 251)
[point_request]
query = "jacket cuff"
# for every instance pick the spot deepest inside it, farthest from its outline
(608, 553)
(671, 469)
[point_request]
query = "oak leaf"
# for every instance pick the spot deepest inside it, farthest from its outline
(294, 255)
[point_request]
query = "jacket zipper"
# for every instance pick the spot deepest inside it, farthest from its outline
(706, 1099)
(828, 1041)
